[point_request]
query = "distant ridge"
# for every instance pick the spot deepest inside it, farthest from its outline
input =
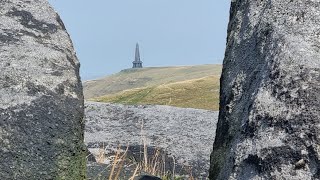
(181, 86)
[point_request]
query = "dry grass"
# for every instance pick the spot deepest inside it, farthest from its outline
(154, 165)
(101, 156)
(118, 163)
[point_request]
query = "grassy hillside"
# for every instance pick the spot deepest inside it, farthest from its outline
(146, 77)
(201, 93)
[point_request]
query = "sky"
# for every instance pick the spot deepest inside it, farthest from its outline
(169, 32)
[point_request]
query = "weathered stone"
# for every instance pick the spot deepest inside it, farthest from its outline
(181, 136)
(90, 157)
(269, 120)
(41, 100)
(146, 177)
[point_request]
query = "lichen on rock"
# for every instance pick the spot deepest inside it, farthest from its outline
(41, 99)
(269, 118)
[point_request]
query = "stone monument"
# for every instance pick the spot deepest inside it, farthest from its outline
(137, 63)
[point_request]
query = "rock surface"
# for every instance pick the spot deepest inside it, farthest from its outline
(185, 134)
(269, 120)
(41, 100)
(149, 178)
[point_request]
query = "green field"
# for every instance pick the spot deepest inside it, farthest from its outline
(185, 86)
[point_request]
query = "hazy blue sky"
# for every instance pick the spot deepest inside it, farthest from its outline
(170, 32)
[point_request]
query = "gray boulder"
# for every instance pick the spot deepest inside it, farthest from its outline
(269, 120)
(41, 100)
(182, 136)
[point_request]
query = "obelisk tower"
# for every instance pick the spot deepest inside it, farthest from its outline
(137, 63)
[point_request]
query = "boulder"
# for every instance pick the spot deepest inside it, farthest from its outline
(269, 119)
(41, 99)
(180, 136)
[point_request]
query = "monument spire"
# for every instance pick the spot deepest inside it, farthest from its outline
(137, 58)
(137, 63)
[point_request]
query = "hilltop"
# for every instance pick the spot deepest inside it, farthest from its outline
(181, 86)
